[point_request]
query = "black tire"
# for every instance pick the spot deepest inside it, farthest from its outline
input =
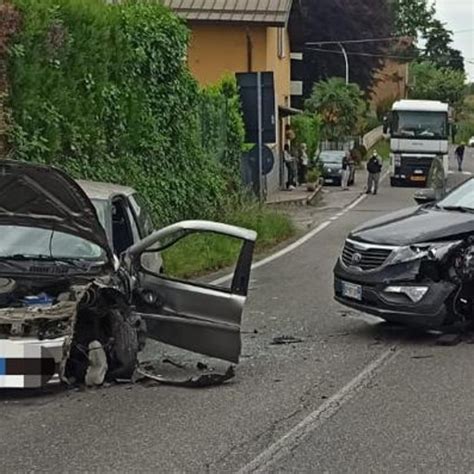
(395, 182)
(124, 351)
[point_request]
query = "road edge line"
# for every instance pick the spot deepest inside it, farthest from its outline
(298, 243)
(288, 442)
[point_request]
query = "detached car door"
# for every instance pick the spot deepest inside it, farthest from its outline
(196, 316)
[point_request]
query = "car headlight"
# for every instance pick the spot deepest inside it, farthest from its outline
(415, 293)
(432, 251)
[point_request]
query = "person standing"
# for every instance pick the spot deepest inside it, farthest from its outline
(460, 155)
(346, 171)
(303, 163)
(290, 162)
(374, 168)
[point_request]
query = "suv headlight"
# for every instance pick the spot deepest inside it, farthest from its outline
(415, 293)
(432, 251)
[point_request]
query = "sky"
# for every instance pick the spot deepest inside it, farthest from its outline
(459, 16)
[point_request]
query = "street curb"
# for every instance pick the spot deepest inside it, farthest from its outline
(303, 201)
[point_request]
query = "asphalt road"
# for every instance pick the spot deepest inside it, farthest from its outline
(353, 396)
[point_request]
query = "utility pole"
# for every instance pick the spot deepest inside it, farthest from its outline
(343, 50)
(346, 59)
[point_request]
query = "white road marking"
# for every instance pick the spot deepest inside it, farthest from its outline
(298, 243)
(301, 241)
(467, 173)
(288, 442)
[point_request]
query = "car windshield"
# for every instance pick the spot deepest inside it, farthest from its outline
(332, 157)
(428, 125)
(36, 243)
(461, 198)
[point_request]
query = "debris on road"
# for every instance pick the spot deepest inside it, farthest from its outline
(449, 340)
(186, 376)
(282, 340)
(420, 357)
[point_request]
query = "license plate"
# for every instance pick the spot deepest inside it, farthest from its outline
(352, 291)
(329, 180)
(418, 178)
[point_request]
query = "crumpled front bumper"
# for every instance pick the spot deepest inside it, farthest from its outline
(30, 363)
(431, 312)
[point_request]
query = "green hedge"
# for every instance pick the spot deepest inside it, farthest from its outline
(307, 128)
(104, 92)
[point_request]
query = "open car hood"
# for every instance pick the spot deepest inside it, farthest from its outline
(33, 195)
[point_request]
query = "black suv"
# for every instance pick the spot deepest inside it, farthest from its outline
(414, 266)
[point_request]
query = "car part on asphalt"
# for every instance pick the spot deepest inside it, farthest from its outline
(283, 340)
(200, 380)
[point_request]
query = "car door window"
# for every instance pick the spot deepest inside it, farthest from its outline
(143, 216)
(122, 233)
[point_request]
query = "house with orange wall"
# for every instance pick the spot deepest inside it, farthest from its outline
(238, 36)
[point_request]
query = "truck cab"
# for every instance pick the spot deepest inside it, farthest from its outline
(419, 134)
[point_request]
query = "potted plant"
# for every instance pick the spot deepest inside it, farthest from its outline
(312, 179)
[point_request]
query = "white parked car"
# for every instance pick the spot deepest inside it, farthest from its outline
(471, 142)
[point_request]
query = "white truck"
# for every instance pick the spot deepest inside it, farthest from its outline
(419, 132)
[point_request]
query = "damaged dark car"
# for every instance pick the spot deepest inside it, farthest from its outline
(415, 266)
(82, 286)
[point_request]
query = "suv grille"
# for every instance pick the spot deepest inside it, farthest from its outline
(367, 258)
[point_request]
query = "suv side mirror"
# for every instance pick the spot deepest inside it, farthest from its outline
(426, 196)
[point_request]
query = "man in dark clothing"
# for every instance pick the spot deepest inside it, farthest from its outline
(290, 163)
(374, 167)
(460, 155)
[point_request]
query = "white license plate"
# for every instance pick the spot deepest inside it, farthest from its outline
(329, 181)
(352, 291)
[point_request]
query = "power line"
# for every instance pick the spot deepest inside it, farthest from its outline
(375, 40)
(366, 40)
(372, 55)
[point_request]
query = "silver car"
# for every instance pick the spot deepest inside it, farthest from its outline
(82, 284)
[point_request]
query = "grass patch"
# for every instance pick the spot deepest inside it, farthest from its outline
(382, 148)
(200, 254)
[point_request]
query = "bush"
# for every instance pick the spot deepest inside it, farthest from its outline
(313, 175)
(103, 92)
(307, 128)
(340, 106)
(465, 131)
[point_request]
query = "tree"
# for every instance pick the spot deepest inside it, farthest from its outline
(438, 49)
(434, 83)
(417, 18)
(336, 20)
(412, 17)
(340, 107)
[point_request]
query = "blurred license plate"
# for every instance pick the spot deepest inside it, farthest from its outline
(329, 180)
(418, 178)
(349, 290)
